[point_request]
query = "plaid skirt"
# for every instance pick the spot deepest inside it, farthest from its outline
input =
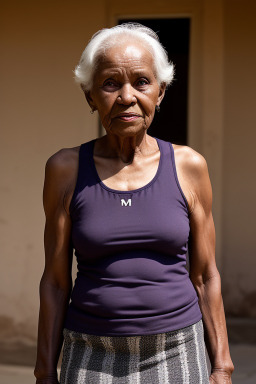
(176, 357)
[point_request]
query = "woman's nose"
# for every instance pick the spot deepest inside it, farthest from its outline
(126, 95)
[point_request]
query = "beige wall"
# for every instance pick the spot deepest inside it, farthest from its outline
(43, 110)
(239, 160)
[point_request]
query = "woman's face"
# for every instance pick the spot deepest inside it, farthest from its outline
(125, 90)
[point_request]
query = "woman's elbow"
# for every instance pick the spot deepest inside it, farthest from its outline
(205, 278)
(57, 283)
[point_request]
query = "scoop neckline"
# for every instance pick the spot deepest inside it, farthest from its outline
(132, 190)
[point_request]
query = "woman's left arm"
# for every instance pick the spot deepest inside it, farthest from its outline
(204, 273)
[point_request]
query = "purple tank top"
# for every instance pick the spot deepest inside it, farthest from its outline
(131, 249)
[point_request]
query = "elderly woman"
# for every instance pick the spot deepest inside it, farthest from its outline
(131, 206)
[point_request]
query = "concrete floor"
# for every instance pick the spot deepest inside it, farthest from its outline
(244, 357)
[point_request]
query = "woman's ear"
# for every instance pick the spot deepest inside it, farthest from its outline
(89, 99)
(162, 89)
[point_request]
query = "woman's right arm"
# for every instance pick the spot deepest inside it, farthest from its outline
(56, 281)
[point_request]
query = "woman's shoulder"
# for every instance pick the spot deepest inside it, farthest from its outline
(60, 175)
(62, 167)
(63, 160)
(191, 161)
(193, 175)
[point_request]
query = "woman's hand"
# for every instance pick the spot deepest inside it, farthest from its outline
(220, 376)
(47, 381)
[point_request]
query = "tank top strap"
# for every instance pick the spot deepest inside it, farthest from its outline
(166, 158)
(85, 176)
(85, 170)
(169, 171)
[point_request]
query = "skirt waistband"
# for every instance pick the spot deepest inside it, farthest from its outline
(134, 344)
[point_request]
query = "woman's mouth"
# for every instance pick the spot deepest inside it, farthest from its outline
(128, 116)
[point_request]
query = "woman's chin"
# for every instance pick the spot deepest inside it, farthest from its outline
(127, 130)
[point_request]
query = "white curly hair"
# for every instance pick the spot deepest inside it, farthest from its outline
(107, 37)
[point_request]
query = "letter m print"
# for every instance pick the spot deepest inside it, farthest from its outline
(125, 203)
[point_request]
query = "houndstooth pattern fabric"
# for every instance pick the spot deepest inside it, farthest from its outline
(176, 357)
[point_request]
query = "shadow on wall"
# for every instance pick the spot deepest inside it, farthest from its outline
(16, 346)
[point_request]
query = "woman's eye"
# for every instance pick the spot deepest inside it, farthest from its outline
(142, 82)
(109, 83)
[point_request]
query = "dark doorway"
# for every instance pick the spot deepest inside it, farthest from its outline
(171, 123)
